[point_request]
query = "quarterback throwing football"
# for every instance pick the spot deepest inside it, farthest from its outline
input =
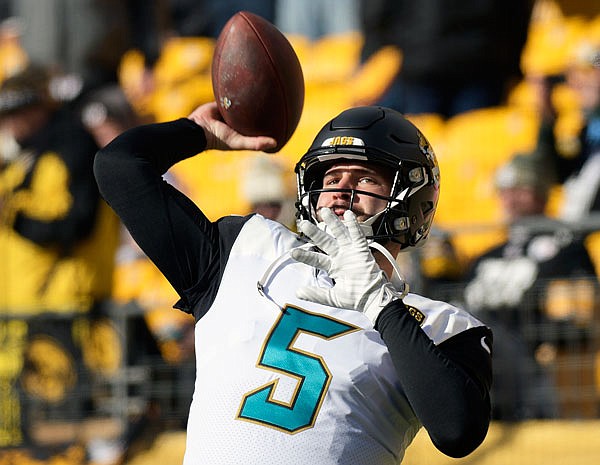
(309, 347)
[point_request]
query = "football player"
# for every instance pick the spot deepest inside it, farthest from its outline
(309, 348)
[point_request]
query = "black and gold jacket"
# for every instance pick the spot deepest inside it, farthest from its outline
(57, 238)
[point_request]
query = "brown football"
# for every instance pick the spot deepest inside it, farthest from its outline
(257, 78)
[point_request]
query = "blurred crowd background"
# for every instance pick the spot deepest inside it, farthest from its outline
(95, 364)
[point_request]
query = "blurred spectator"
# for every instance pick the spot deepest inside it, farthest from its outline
(269, 190)
(435, 268)
(51, 208)
(441, 265)
(518, 289)
(574, 157)
(457, 55)
(317, 18)
(106, 113)
(57, 243)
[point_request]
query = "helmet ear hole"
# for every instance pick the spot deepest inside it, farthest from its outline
(401, 224)
(427, 207)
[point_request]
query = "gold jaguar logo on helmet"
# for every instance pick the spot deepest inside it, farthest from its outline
(426, 148)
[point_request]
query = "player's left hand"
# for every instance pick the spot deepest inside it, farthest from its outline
(359, 282)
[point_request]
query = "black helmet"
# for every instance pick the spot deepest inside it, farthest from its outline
(385, 137)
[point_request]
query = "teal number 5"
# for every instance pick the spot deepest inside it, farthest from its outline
(313, 376)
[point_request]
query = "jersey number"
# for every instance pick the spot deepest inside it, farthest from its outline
(310, 371)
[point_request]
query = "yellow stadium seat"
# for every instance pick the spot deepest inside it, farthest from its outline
(213, 181)
(476, 143)
(182, 57)
(181, 78)
(593, 245)
(471, 242)
(131, 70)
(131, 278)
(550, 44)
(432, 125)
(302, 45)
(524, 95)
(333, 58)
(373, 77)
(173, 101)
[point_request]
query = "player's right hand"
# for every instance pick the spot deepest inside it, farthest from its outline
(220, 136)
(360, 284)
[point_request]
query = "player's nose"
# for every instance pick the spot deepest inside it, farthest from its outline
(346, 182)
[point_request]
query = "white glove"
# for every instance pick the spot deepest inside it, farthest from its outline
(359, 282)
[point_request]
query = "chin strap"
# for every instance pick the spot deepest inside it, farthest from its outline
(396, 279)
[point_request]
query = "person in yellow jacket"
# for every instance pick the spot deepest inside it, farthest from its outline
(56, 240)
(57, 247)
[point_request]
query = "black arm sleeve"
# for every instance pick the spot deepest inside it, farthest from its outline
(447, 385)
(167, 225)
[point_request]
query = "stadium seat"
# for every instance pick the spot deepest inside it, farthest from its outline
(302, 46)
(213, 181)
(432, 125)
(182, 56)
(373, 77)
(333, 58)
(476, 143)
(550, 42)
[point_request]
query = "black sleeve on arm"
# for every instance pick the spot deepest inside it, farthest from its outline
(168, 226)
(447, 385)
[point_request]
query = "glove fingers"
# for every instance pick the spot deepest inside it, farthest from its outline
(335, 226)
(355, 232)
(320, 238)
(315, 259)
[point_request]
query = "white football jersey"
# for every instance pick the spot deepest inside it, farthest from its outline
(282, 380)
